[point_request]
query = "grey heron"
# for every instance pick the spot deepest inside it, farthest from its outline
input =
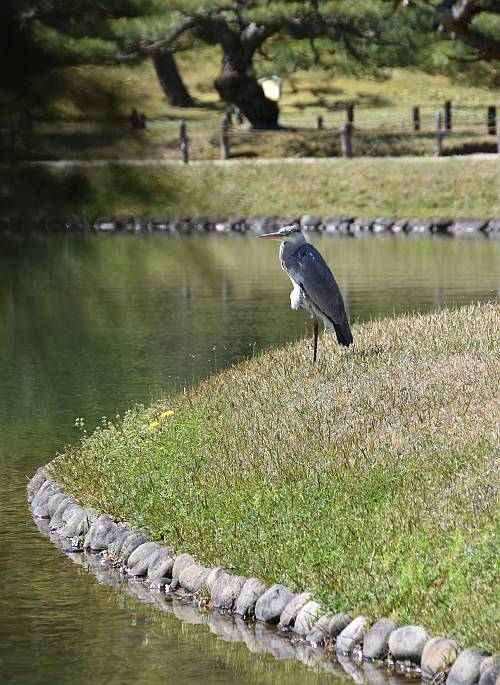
(314, 286)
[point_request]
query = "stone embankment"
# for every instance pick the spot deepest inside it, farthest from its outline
(472, 227)
(296, 617)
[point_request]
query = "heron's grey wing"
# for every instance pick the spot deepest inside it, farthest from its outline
(314, 276)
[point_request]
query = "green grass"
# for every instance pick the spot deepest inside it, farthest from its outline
(101, 91)
(396, 188)
(368, 478)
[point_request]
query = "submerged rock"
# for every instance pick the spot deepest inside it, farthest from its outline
(226, 590)
(407, 643)
(467, 225)
(35, 484)
(351, 635)
(181, 562)
(338, 623)
(193, 577)
(213, 575)
(399, 226)
(43, 495)
(55, 501)
(465, 670)
(488, 662)
(320, 631)
(306, 618)
(78, 521)
(490, 676)
(41, 511)
(95, 539)
(376, 640)
(289, 613)
(57, 519)
(419, 225)
(438, 654)
(116, 538)
(161, 567)
(270, 605)
(132, 542)
(252, 589)
(141, 557)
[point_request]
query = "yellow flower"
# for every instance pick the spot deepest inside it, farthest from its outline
(153, 425)
(169, 412)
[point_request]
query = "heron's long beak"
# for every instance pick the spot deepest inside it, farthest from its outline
(271, 236)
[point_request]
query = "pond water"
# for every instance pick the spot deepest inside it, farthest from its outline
(90, 325)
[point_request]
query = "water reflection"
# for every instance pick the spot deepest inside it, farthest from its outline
(259, 639)
(90, 325)
(122, 319)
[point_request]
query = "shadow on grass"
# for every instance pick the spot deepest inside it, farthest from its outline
(31, 193)
(470, 148)
(48, 90)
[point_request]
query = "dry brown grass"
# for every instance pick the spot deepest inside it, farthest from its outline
(365, 478)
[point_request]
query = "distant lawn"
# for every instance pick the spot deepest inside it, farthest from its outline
(94, 92)
(393, 187)
(368, 479)
(88, 109)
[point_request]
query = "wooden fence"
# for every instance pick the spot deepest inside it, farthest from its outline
(443, 127)
(446, 125)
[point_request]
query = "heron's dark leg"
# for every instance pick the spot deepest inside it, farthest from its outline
(315, 338)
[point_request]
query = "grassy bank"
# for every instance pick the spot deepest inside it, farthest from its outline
(368, 479)
(394, 187)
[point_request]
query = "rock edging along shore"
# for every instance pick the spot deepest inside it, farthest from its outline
(473, 227)
(296, 616)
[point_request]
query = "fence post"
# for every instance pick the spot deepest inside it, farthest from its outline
(492, 120)
(12, 139)
(183, 141)
(416, 118)
(319, 122)
(346, 139)
(134, 118)
(447, 115)
(350, 112)
(224, 139)
(439, 135)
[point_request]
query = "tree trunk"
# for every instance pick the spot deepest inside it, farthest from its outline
(238, 88)
(170, 79)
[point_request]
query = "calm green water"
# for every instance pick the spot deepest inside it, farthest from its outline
(90, 325)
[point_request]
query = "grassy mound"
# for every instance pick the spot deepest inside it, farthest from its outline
(367, 479)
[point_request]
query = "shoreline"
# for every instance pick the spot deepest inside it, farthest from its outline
(330, 641)
(301, 494)
(367, 478)
(473, 228)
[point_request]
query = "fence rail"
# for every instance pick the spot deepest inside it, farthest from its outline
(447, 124)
